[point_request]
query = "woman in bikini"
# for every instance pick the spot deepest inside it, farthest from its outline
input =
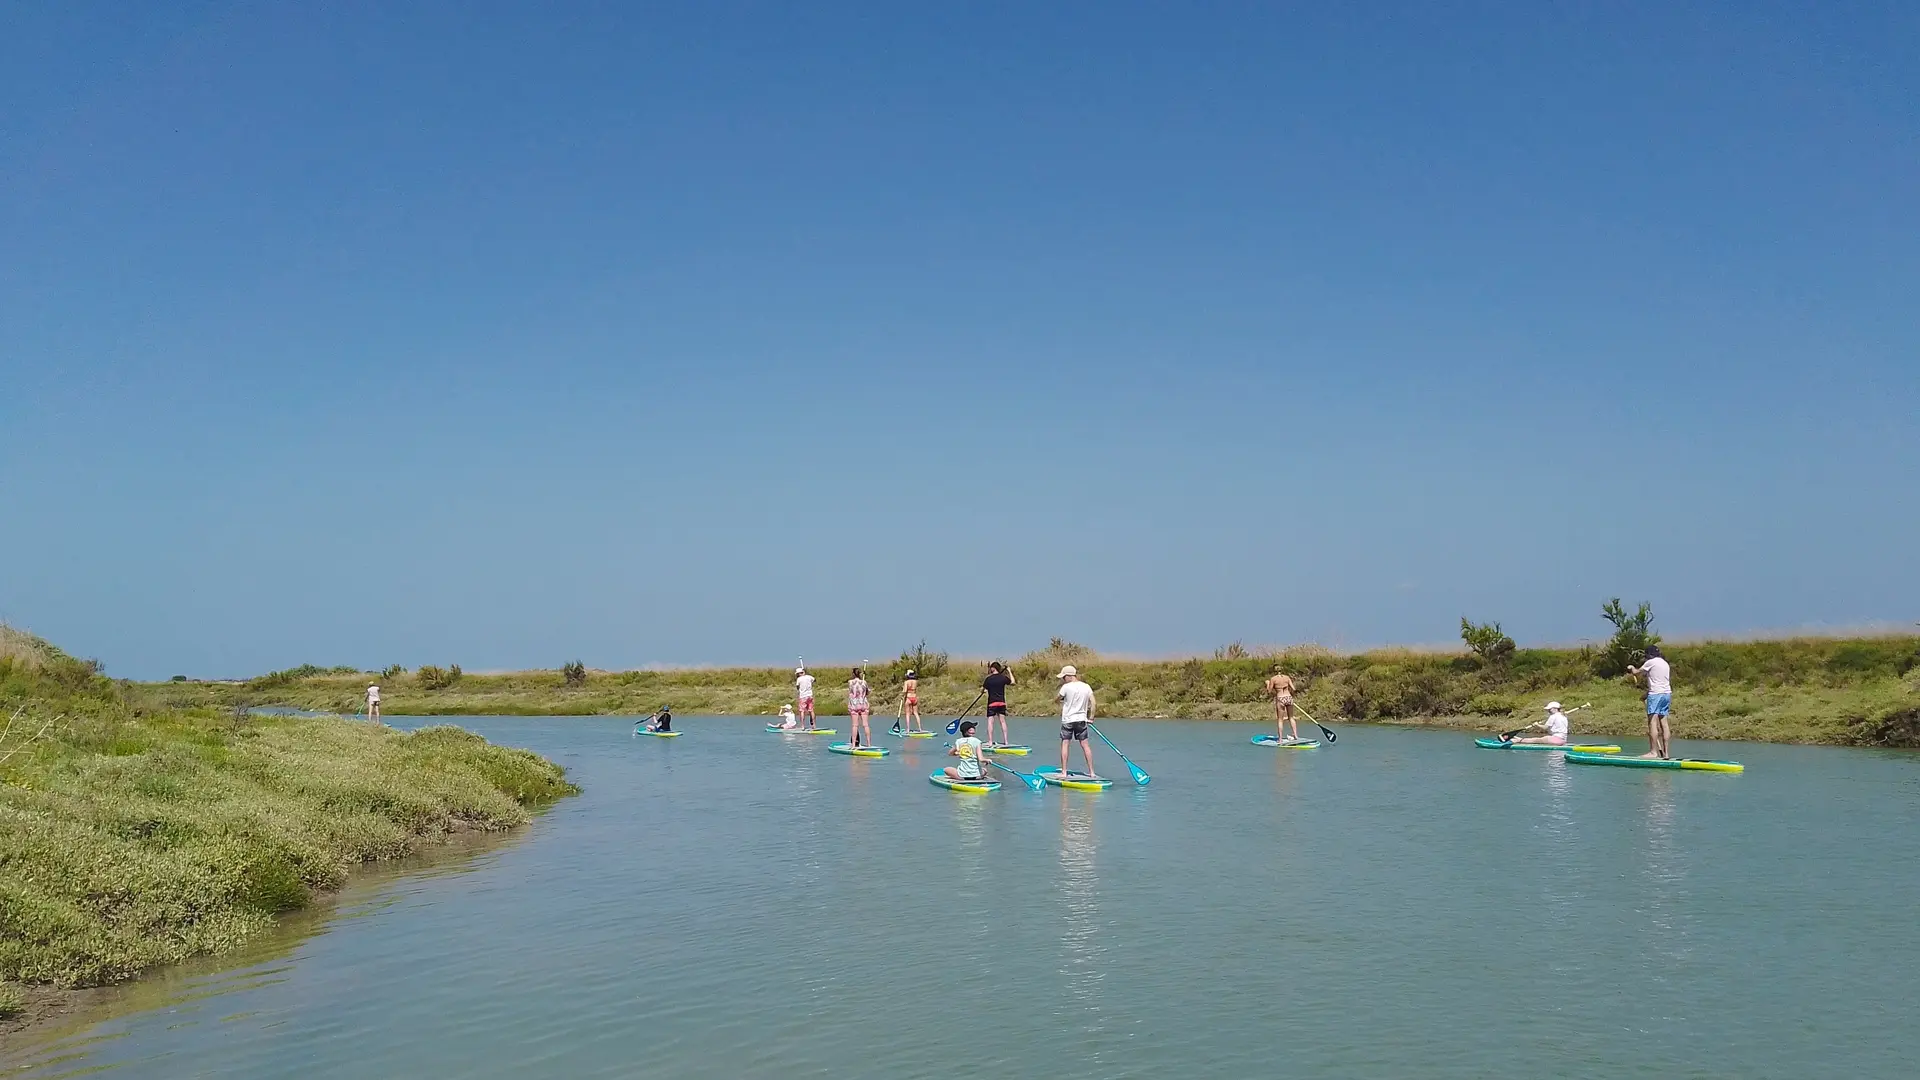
(910, 711)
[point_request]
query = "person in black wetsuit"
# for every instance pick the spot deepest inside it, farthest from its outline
(660, 721)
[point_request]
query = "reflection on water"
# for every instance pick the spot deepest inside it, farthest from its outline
(1078, 887)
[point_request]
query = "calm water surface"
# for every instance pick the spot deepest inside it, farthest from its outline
(739, 904)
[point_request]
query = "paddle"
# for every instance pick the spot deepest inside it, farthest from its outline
(1033, 783)
(1325, 732)
(954, 728)
(1139, 774)
(1508, 736)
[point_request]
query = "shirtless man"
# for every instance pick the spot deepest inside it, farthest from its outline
(1281, 687)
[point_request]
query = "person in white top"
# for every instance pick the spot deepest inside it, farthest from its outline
(1657, 676)
(803, 690)
(373, 704)
(967, 748)
(1076, 712)
(1555, 726)
(787, 722)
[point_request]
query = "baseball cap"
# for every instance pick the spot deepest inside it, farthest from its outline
(1066, 671)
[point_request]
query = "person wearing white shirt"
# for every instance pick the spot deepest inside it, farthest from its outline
(803, 690)
(373, 704)
(1076, 712)
(1555, 726)
(1657, 676)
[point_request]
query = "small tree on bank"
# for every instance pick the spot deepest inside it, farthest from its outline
(1631, 636)
(574, 672)
(1487, 641)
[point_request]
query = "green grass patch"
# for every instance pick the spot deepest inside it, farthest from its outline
(135, 833)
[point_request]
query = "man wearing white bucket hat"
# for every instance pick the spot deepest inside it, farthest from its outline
(1555, 725)
(1076, 712)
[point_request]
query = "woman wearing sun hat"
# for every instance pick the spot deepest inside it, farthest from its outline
(1555, 726)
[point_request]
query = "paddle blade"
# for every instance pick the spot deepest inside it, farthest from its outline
(1329, 735)
(1139, 775)
(954, 727)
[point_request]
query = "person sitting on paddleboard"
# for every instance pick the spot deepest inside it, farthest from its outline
(660, 721)
(995, 684)
(787, 720)
(967, 749)
(1555, 726)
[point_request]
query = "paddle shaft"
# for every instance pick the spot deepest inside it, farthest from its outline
(1325, 732)
(1139, 774)
(955, 726)
(1507, 736)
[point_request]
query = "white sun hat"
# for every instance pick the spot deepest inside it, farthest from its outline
(1553, 706)
(1066, 671)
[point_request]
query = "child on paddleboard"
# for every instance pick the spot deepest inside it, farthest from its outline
(786, 718)
(967, 749)
(858, 708)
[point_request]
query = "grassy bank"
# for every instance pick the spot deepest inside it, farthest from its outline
(1859, 691)
(135, 833)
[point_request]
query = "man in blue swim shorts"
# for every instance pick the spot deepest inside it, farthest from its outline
(1658, 677)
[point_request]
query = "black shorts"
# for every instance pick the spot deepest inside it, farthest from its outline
(1076, 731)
(999, 710)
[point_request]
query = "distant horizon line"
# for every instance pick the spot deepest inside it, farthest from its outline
(1878, 629)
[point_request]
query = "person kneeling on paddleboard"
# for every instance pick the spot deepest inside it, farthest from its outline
(660, 721)
(967, 749)
(1555, 726)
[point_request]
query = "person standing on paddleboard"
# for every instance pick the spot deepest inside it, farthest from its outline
(1281, 687)
(1657, 675)
(995, 684)
(910, 708)
(803, 691)
(967, 749)
(858, 709)
(1555, 725)
(1076, 712)
(373, 704)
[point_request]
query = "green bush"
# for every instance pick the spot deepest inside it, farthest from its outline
(1631, 636)
(431, 677)
(12, 1002)
(574, 673)
(1487, 641)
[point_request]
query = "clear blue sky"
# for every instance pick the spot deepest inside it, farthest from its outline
(641, 334)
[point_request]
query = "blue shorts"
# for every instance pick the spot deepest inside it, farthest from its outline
(1659, 704)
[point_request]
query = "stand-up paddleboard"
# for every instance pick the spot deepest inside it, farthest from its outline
(859, 751)
(1074, 781)
(910, 734)
(657, 734)
(1015, 751)
(1699, 764)
(964, 787)
(777, 730)
(1579, 748)
(1285, 744)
